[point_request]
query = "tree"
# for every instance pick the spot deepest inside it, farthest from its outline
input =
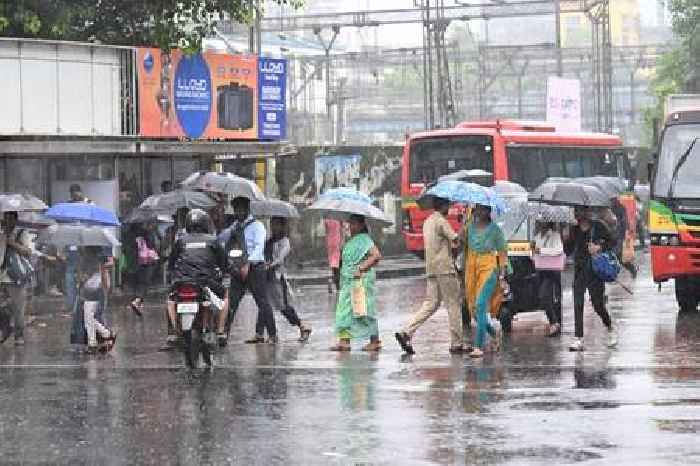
(160, 23)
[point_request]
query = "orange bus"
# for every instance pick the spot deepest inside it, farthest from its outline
(520, 151)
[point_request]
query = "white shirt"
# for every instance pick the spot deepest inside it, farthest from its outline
(280, 251)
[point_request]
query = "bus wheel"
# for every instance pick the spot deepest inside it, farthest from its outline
(686, 295)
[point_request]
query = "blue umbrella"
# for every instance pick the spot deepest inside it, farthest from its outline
(467, 193)
(345, 194)
(83, 213)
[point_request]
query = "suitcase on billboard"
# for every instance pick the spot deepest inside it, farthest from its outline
(235, 107)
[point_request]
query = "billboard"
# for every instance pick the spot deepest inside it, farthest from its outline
(203, 96)
(564, 103)
(272, 115)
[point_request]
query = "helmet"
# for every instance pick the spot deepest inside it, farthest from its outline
(197, 221)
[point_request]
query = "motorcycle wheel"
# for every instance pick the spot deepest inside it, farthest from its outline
(191, 348)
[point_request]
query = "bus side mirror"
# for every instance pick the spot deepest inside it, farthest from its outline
(650, 168)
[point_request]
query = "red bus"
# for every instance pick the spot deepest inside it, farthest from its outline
(523, 152)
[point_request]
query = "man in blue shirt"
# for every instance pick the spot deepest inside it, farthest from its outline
(249, 274)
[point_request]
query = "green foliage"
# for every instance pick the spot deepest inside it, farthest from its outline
(678, 68)
(161, 23)
(671, 71)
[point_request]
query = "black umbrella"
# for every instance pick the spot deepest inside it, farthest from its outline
(146, 214)
(62, 235)
(179, 199)
(12, 202)
(570, 194)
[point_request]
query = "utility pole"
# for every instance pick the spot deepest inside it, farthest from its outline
(327, 49)
(557, 38)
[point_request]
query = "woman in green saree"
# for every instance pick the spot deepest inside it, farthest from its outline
(359, 256)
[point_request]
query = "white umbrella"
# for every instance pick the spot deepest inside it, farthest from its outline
(273, 208)
(224, 183)
(342, 209)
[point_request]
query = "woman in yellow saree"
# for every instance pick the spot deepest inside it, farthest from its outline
(486, 265)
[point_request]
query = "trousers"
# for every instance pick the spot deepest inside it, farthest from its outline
(256, 284)
(18, 298)
(585, 279)
(441, 289)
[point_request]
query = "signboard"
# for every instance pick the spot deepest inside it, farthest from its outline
(203, 96)
(272, 115)
(564, 103)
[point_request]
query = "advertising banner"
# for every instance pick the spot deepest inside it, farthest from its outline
(203, 96)
(564, 103)
(272, 80)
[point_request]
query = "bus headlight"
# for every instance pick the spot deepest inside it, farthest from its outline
(674, 241)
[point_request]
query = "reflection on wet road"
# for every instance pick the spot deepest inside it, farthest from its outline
(535, 402)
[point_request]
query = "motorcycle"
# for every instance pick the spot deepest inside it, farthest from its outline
(192, 306)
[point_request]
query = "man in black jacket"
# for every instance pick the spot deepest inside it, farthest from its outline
(588, 238)
(197, 257)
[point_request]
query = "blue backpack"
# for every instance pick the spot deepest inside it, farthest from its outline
(606, 266)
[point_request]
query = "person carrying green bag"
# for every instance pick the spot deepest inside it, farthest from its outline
(357, 278)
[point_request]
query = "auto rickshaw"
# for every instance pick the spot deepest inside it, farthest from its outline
(523, 293)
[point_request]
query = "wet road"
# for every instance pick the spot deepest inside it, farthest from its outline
(535, 402)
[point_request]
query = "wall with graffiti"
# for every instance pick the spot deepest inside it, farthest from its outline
(374, 170)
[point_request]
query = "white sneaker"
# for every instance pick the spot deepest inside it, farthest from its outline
(53, 292)
(612, 338)
(576, 345)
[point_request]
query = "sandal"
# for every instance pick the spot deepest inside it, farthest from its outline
(304, 332)
(254, 340)
(137, 308)
(476, 353)
(91, 350)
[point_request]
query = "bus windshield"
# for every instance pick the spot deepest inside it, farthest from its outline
(434, 157)
(675, 142)
(529, 166)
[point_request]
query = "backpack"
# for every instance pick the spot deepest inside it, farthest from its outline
(605, 265)
(236, 247)
(19, 269)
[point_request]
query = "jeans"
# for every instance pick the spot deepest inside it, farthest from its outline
(585, 279)
(70, 288)
(256, 284)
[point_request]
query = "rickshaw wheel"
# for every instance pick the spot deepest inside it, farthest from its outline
(506, 317)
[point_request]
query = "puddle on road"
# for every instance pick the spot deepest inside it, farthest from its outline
(565, 406)
(679, 426)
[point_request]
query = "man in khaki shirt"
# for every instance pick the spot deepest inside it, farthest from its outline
(442, 282)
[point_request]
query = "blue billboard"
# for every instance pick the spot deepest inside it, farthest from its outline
(272, 95)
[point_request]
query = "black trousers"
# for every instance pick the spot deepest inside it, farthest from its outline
(585, 279)
(287, 310)
(256, 284)
(549, 294)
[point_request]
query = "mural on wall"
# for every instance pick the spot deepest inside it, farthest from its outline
(374, 170)
(336, 171)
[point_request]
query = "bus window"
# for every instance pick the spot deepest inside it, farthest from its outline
(530, 166)
(430, 159)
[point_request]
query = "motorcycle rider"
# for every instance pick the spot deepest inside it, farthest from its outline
(197, 257)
